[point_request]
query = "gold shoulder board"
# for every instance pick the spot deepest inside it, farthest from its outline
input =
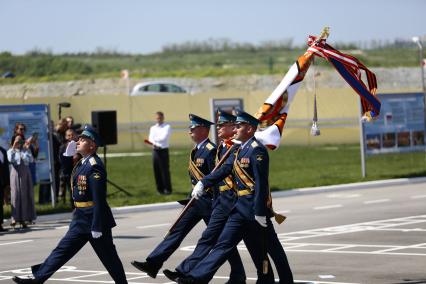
(254, 144)
(209, 146)
(92, 161)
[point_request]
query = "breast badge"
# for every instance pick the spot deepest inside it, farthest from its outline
(199, 162)
(81, 184)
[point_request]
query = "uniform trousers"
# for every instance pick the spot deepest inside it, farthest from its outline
(70, 244)
(173, 240)
(208, 239)
(236, 229)
(277, 253)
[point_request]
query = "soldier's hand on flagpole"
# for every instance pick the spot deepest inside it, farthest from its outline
(198, 190)
(261, 220)
(96, 235)
(71, 149)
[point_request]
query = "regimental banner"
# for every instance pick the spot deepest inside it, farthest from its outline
(36, 120)
(400, 126)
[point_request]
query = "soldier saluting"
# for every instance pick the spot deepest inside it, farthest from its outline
(92, 218)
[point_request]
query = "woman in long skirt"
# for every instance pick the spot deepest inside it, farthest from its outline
(21, 185)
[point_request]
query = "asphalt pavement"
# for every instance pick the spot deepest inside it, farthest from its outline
(359, 233)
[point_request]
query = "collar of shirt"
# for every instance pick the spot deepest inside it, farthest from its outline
(199, 144)
(245, 143)
(84, 159)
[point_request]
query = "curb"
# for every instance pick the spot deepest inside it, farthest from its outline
(277, 194)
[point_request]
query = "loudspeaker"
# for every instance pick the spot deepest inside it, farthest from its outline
(105, 122)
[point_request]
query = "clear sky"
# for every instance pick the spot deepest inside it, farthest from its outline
(144, 26)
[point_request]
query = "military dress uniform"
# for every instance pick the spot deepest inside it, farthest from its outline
(201, 163)
(222, 206)
(91, 214)
(250, 168)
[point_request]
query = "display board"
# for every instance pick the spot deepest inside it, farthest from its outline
(36, 119)
(400, 126)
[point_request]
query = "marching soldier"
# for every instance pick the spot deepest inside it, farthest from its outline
(222, 206)
(92, 218)
(201, 162)
(250, 216)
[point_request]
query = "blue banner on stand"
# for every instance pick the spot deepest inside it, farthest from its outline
(36, 120)
(400, 126)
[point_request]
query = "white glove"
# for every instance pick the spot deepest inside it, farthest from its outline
(96, 235)
(198, 190)
(71, 149)
(261, 220)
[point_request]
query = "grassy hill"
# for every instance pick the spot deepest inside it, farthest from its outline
(41, 67)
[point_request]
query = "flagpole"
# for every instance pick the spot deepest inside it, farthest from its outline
(361, 139)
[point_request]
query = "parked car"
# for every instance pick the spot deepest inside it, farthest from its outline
(150, 88)
(8, 74)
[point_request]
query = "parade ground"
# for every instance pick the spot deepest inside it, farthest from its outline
(364, 234)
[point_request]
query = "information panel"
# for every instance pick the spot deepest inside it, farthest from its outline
(400, 126)
(36, 120)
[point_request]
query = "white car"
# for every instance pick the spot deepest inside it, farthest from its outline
(151, 88)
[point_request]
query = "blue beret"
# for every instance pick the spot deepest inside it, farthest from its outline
(224, 117)
(90, 132)
(198, 121)
(243, 117)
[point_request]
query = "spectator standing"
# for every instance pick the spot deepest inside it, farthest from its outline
(66, 166)
(70, 122)
(58, 139)
(22, 192)
(20, 129)
(4, 182)
(159, 136)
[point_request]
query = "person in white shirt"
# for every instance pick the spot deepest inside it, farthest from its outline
(159, 136)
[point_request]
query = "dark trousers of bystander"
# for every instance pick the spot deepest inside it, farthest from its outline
(160, 160)
(65, 188)
(1, 206)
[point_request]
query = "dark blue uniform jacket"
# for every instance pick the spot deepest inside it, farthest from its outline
(89, 185)
(253, 159)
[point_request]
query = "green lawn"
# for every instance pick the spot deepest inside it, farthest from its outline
(290, 167)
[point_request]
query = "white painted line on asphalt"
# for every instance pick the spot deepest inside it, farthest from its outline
(87, 275)
(283, 211)
(153, 226)
(343, 195)
(353, 228)
(62, 227)
(401, 230)
(329, 276)
(328, 207)
(17, 242)
(418, 196)
(133, 276)
(376, 201)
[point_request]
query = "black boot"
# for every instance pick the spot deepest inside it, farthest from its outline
(17, 279)
(173, 275)
(146, 267)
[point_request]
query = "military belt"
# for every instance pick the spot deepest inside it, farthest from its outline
(224, 188)
(246, 191)
(84, 204)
